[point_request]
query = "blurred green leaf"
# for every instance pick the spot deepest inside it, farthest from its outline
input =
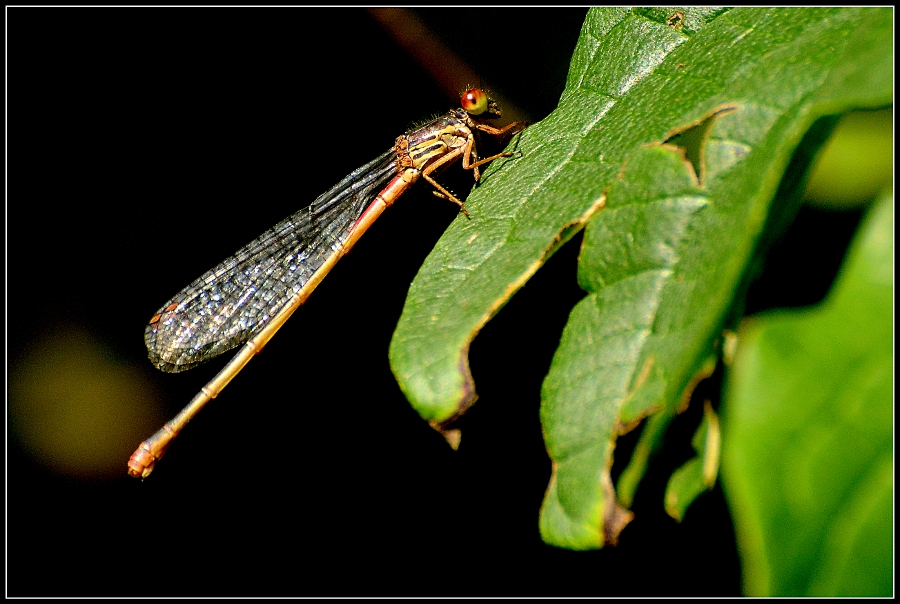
(857, 163)
(808, 458)
(672, 138)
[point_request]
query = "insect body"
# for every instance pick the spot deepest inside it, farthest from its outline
(248, 297)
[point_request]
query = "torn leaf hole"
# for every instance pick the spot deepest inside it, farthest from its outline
(691, 142)
(676, 20)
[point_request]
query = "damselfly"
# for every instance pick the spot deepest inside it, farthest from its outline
(249, 296)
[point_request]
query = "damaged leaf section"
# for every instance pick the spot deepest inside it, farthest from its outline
(524, 207)
(676, 20)
(603, 374)
(691, 143)
(653, 433)
(572, 228)
(663, 262)
(687, 20)
(697, 475)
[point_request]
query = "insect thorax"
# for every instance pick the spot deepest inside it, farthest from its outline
(426, 144)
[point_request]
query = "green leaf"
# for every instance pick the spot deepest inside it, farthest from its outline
(671, 138)
(808, 460)
(698, 475)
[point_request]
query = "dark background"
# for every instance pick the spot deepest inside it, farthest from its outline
(145, 145)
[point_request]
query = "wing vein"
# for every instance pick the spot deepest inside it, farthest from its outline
(228, 304)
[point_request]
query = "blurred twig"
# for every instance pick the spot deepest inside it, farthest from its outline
(447, 68)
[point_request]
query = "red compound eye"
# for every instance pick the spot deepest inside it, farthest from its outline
(474, 101)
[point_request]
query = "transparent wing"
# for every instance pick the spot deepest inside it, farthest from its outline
(230, 303)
